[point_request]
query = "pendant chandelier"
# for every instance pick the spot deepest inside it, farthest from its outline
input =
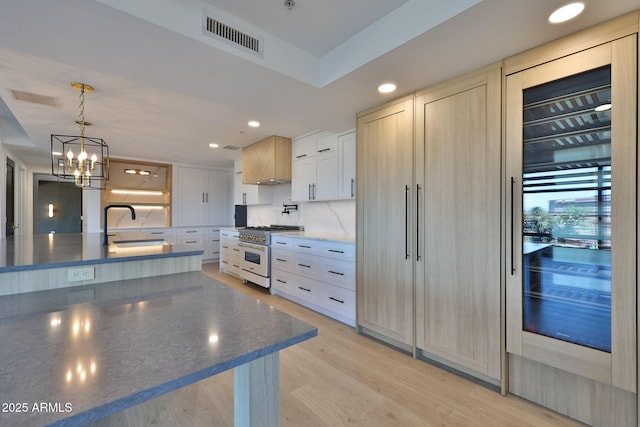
(81, 158)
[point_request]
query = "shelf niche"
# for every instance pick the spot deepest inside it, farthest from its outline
(147, 187)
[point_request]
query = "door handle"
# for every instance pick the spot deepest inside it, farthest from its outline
(513, 267)
(418, 257)
(406, 222)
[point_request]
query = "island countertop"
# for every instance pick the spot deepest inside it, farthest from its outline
(19, 253)
(133, 340)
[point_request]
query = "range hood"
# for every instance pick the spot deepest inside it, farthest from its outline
(267, 162)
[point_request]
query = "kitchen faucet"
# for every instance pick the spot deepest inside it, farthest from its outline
(105, 238)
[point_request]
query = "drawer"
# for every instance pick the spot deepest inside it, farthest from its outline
(280, 242)
(211, 254)
(283, 260)
(339, 273)
(339, 300)
(189, 232)
(229, 233)
(342, 251)
(195, 241)
(308, 266)
(283, 281)
(230, 267)
(211, 233)
(211, 242)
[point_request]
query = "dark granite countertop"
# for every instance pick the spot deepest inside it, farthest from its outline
(62, 250)
(128, 342)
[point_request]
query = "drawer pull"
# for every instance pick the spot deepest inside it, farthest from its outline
(304, 289)
(226, 247)
(281, 281)
(301, 156)
(281, 243)
(336, 272)
(236, 249)
(336, 251)
(336, 300)
(225, 262)
(324, 149)
(281, 260)
(191, 231)
(304, 246)
(304, 265)
(191, 241)
(156, 232)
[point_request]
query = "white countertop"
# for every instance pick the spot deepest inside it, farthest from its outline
(340, 238)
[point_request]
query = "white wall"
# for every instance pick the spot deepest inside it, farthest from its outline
(333, 217)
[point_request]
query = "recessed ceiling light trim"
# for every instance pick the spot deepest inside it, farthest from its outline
(566, 12)
(386, 88)
(253, 123)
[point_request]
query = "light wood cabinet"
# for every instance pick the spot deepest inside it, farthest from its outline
(458, 186)
(203, 197)
(248, 194)
(267, 161)
(386, 224)
(429, 209)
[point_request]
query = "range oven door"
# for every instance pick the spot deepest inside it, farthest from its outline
(254, 265)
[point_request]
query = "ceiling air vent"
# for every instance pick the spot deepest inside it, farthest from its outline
(232, 36)
(230, 147)
(34, 97)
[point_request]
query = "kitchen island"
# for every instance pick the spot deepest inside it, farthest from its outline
(64, 363)
(50, 261)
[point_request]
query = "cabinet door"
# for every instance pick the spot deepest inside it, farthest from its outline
(193, 186)
(458, 159)
(303, 179)
(217, 198)
(385, 226)
(347, 166)
(326, 179)
(571, 163)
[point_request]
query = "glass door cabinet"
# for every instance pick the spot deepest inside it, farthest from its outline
(571, 200)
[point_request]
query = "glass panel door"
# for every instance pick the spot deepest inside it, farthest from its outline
(566, 208)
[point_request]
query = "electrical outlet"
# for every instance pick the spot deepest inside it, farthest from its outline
(81, 274)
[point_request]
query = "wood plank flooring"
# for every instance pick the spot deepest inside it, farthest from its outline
(341, 378)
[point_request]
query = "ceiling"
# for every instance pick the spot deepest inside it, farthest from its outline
(164, 90)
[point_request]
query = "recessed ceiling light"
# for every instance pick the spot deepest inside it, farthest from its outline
(386, 88)
(213, 145)
(254, 124)
(566, 12)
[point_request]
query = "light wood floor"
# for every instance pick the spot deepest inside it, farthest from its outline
(340, 378)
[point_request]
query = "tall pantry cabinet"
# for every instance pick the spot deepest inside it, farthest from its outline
(385, 227)
(428, 209)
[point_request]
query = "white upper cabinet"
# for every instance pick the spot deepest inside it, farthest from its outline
(317, 168)
(347, 165)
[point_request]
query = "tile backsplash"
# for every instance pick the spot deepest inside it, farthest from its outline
(336, 217)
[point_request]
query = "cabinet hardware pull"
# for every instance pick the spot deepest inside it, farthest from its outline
(324, 149)
(309, 191)
(406, 222)
(513, 267)
(337, 300)
(236, 249)
(304, 289)
(301, 156)
(281, 281)
(191, 241)
(156, 232)
(225, 247)
(203, 197)
(225, 262)
(281, 260)
(304, 246)
(353, 181)
(304, 265)
(314, 191)
(207, 197)
(239, 173)
(281, 243)
(191, 231)
(418, 257)
(336, 272)
(335, 251)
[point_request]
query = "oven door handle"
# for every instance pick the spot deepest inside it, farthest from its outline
(257, 248)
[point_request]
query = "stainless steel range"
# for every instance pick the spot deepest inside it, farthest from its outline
(254, 245)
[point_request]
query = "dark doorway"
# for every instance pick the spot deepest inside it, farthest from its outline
(10, 201)
(57, 206)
